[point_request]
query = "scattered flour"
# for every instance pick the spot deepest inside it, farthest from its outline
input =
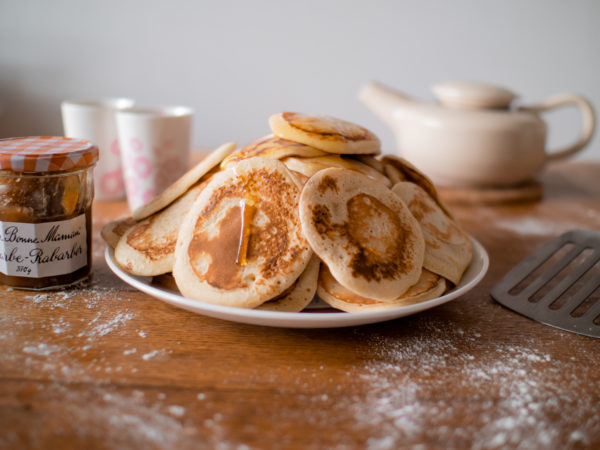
(90, 296)
(42, 349)
(177, 411)
(99, 327)
(153, 354)
(60, 326)
(512, 404)
(519, 396)
(532, 226)
(65, 340)
(112, 418)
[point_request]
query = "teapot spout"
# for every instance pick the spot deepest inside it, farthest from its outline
(382, 101)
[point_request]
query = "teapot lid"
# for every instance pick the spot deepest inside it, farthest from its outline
(463, 94)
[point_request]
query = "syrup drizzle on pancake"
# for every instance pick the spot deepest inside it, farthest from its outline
(248, 211)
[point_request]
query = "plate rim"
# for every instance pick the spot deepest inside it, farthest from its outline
(282, 319)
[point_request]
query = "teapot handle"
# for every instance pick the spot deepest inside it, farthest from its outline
(587, 115)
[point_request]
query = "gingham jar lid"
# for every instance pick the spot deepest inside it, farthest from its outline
(46, 154)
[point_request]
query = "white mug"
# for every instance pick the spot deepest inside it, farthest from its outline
(95, 121)
(155, 149)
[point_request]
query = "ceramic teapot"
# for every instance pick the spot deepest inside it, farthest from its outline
(474, 136)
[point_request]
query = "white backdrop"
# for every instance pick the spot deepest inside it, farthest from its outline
(237, 62)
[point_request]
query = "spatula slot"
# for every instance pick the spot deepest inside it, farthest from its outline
(593, 312)
(563, 278)
(553, 258)
(582, 294)
(567, 282)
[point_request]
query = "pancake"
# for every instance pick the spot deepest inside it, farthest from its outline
(242, 243)
(114, 230)
(393, 174)
(148, 247)
(363, 232)
(299, 294)
(329, 290)
(309, 166)
(371, 161)
(187, 180)
(300, 178)
(272, 147)
(325, 133)
(448, 249)
(399, 169)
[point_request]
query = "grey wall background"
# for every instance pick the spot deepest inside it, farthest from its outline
(237, 62)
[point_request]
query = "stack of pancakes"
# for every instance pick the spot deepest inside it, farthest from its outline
(308, 209)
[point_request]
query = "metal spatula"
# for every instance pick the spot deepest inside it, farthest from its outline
(556, 284)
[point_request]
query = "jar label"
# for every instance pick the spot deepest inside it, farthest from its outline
(38, 250)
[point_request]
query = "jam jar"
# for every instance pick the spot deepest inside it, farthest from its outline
(46, 192)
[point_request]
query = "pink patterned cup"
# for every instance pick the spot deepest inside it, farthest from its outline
(155, 149)
(95, 121)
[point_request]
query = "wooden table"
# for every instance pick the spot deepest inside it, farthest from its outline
(106, 366)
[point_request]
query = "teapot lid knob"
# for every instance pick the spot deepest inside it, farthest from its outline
(462, 94)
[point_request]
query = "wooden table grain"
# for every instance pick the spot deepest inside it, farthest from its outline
(106, 366)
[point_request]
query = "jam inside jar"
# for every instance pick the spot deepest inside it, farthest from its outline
(45, 215)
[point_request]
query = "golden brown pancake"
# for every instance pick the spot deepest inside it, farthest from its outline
(363, 232)
(329, 290)
(272, 147)
(242, 243)
(394, 174)
(299, 294)
(187, 180)
(300, 178)
(309, 166)
(399, 169)
(448, 248)
(325, 133)
(371, 161)
(148, 247)
(112, 231)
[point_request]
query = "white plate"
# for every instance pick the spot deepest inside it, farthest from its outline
(314, 317)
